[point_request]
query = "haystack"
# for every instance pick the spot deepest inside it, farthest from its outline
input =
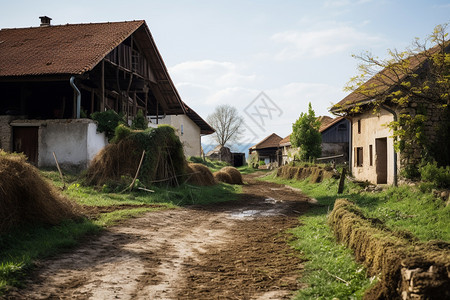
(27, 198)
(199, 174)
(164, 160)
(236, 177)
(223, 177)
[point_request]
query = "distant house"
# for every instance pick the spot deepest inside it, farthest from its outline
(372, 156)
(267, 149)
(335, 141)
(189, 128)
(53, 76)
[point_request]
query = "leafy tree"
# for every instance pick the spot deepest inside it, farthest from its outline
(306, 135)
(228, 124)
(420, 73)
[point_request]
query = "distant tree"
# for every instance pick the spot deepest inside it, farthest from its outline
(306, 135)
(228, 124)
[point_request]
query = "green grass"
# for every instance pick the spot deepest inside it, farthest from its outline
(401, 208)
(21, 247)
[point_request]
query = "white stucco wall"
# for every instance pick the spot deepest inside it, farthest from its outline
(75, 142)
(372, 127)
(187, 131)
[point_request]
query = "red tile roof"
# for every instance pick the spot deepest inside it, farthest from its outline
(286, 141)
(271, 141)
(61, 49)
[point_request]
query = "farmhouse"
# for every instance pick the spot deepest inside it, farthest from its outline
(53, 77)
(372, 106)
(267, 149)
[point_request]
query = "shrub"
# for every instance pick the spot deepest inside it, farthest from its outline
(439, 176)
(139, 122)
(107, 122)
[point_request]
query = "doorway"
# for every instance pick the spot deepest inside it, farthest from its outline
(381, 160)
(25, 139)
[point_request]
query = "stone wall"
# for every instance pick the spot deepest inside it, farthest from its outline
(6, 132)
(412, 154)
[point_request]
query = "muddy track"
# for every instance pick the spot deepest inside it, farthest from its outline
(232, 250)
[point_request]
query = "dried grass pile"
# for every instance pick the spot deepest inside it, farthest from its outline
(27, 198)
(236, 177)
(315, 173)
(403, 264)
(164, 160)
(199, 174)
(223, 177)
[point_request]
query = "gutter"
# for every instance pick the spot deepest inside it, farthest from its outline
(395, 153)
(77, 91)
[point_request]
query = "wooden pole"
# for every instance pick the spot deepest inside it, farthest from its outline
(342, 181)
(59, 170)
(137, 172)
(102, 104)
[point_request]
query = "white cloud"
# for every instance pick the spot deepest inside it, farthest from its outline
(209, 73)
(319, 43)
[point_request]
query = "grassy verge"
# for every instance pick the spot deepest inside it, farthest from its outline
(400, 208)
(19, 248)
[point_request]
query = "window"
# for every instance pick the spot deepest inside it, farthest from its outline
(358, 156)
(182, 129)
(342, 127)
(359, 126)
(370, 155)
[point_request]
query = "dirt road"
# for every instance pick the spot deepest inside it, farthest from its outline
(233, 250)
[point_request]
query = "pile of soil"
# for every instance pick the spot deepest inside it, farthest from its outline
(407, 267)
(27, 198)
(315, 173)
(199, 174)
(164, 160)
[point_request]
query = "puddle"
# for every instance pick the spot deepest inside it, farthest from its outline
(271, 200)
(254, 213)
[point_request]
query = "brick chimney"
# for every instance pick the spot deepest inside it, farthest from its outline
(45, 21)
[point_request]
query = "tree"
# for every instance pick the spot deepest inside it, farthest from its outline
(306, 135)
(228, 124)
(420, 73)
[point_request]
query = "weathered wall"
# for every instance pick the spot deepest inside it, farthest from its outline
(75, 142)
(187, 131)
(372, 127)
(6, 132)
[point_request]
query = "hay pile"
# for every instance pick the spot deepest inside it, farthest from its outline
(164, 161)
(223, 177)
(27, 198)
(236, 177)
(199, 174)
(316, 174)
(392, 255)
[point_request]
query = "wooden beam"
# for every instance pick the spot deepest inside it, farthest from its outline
(102, 104)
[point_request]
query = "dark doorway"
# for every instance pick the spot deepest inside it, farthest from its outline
(25, 139)
(381, 160)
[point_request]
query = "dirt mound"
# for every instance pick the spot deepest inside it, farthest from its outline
(315, 173)
(25, 197)
(164, 160)
(223, 177)
(236, 177)
(199, 174)
(406, 267)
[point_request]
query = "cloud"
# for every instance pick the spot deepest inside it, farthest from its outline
(209, 73)
(319, 43)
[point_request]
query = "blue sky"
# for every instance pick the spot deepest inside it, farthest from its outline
(228, 52)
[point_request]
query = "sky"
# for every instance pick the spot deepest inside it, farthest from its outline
(268, 59)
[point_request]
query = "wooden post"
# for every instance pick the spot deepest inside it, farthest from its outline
(102, 104)
(342, 181)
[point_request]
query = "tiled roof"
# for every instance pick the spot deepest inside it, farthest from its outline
(327, 125)
(286, 141)
(382, 82)
(60, 49)
(270, 141)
